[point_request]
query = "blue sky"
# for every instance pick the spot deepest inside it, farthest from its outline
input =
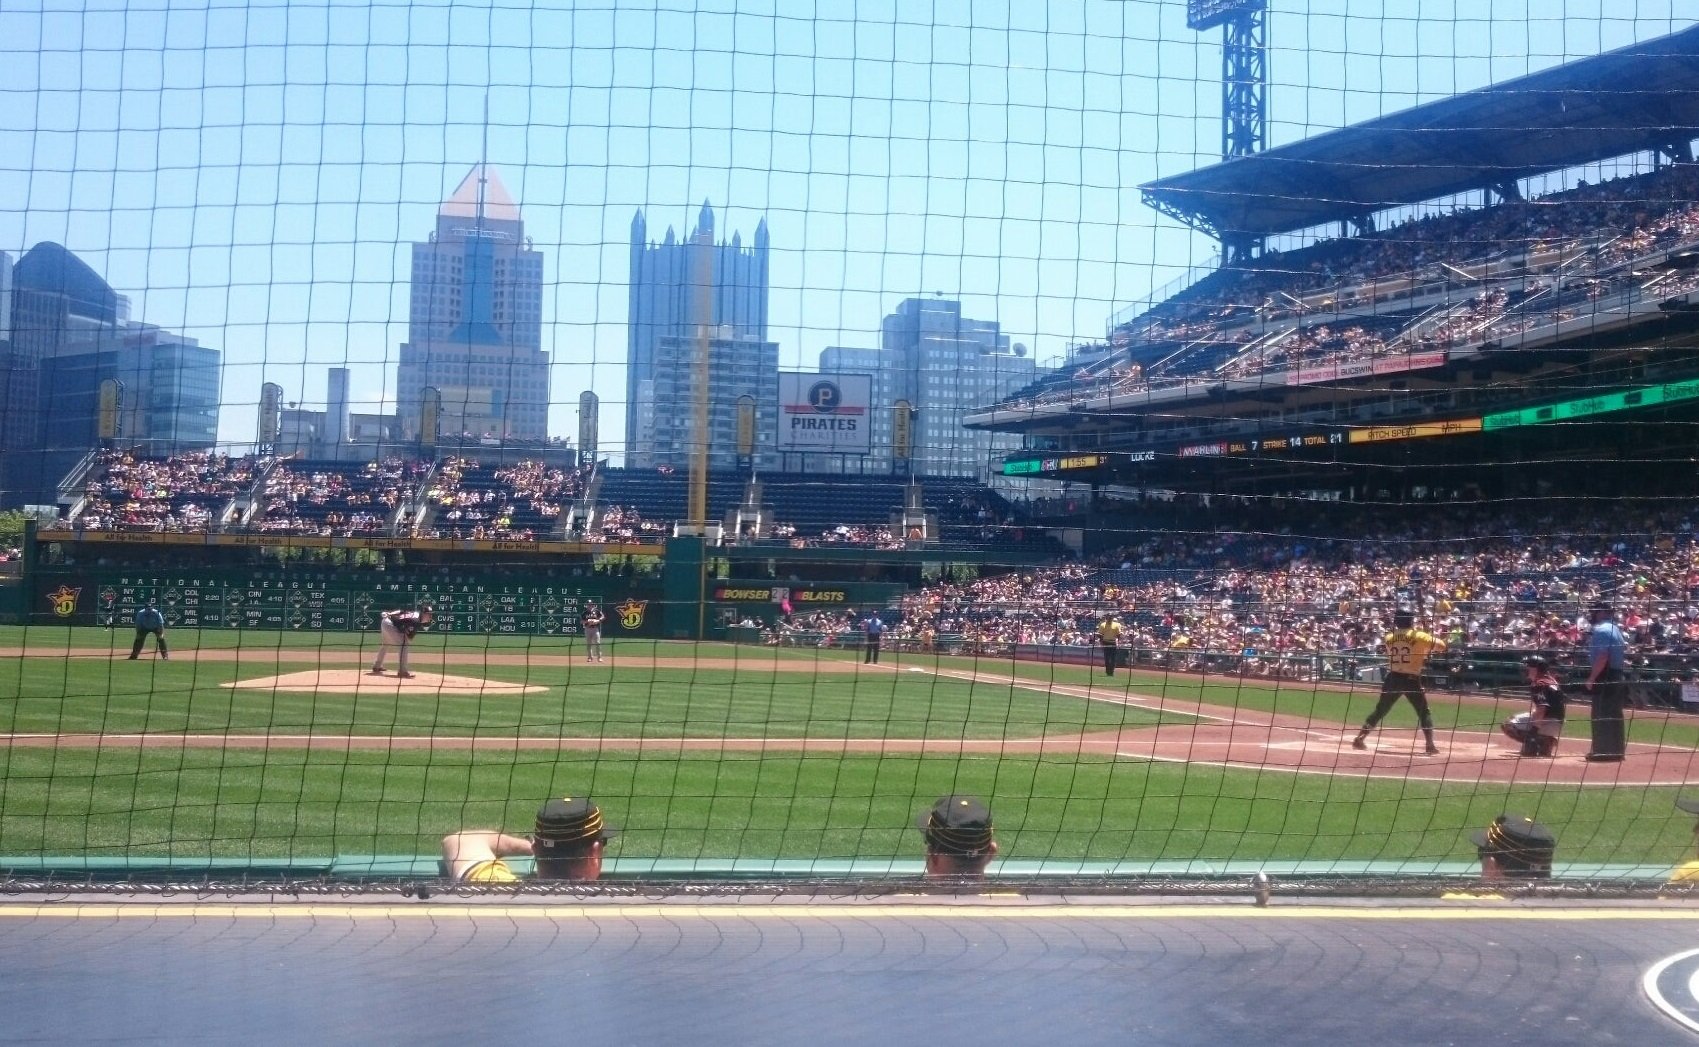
(253, 173)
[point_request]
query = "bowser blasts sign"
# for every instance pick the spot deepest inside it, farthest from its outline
(825, 413)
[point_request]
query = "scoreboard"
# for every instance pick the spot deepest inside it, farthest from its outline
(465, 602)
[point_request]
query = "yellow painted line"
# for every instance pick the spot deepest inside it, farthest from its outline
(441, 910)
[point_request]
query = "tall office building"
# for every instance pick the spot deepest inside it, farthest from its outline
(69, 332)
(5, 300)
(475, 323)
(737, 368)
(57, 301)
(663, 305)
(169, 391)
(944, 365)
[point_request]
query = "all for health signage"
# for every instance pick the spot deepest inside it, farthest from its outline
(825, 413)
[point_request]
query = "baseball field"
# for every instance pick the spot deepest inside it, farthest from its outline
(276, 746)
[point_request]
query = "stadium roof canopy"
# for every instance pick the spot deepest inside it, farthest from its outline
(1637, 98)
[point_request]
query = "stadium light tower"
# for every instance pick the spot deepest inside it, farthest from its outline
(1244, 69)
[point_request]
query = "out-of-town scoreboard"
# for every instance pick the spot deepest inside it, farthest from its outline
(299, 601)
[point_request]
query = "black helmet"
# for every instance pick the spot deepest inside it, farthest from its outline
(1599, 607)
(1403, 618)
(1536, 661)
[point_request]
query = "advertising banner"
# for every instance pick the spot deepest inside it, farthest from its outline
(589, 425)
(902, 430)
(821, 413)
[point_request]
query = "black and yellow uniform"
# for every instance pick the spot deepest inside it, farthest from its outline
(1109, 635)
(491, 870)
(1407, 649)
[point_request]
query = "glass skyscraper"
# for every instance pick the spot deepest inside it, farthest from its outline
(663, 306)
(69, 332)
(475, 322)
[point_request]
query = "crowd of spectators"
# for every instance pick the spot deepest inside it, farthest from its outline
(870, 536)
(1314, 290)
(622, 523)
(812, 629)
(520, 502)
(339, 500)
(1274, 601)
(188, 492)
(540, 490)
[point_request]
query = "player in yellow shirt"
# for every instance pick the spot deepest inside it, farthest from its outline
(1109, 638)
(1407, 648)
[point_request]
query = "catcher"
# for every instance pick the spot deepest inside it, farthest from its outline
(397, 629)
(1538, 729)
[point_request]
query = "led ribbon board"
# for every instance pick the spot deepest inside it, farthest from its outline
(1587, 406)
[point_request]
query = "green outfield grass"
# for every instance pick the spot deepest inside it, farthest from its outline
(288, 803)
(98, 694)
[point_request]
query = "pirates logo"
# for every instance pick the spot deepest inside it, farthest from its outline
(63, 600)
(824, 397)
(631, 613)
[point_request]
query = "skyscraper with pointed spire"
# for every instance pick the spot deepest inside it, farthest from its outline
(663, 306)
(475, 323)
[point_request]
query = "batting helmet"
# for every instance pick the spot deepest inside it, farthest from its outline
(1403, 618)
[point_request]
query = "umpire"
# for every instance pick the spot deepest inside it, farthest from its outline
(1607, 653)
(149, 620)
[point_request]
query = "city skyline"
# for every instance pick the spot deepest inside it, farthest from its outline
(253, 178)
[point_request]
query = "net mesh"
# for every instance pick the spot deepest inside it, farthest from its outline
(767, 422)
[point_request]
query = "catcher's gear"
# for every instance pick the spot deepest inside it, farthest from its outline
(1523, 730)
(1520, 728)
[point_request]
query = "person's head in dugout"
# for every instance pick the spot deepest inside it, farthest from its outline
(1515, 847)
(568, 840)
(960, 839)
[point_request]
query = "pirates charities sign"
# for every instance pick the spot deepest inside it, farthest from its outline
(825, 413)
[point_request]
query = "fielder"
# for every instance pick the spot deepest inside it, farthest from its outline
(593, 619)
(397, 629)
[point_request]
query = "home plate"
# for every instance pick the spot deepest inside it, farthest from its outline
(356, 681)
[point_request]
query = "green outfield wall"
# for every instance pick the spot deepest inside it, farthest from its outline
(482, 590)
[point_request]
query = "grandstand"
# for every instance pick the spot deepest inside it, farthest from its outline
(465, 498)
(1440, 353)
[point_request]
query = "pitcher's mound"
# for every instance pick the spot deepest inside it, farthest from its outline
(355, 681)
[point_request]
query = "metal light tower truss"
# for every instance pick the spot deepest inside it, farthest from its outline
(1244, 69)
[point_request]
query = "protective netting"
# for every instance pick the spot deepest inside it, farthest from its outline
(768, 449)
